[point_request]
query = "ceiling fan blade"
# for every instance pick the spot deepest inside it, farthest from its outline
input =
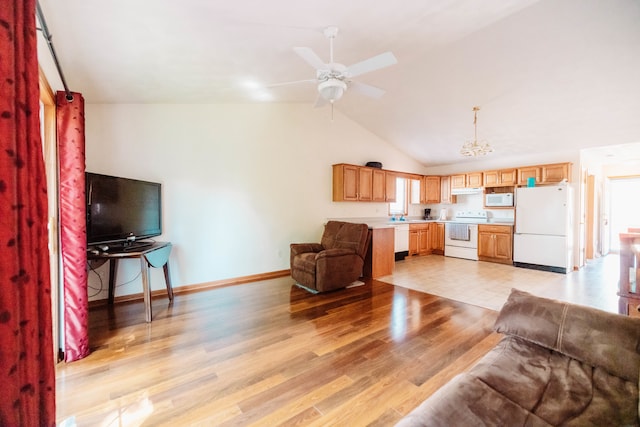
(291, 83)
(310, 56)
(368, 90)
(375, 63)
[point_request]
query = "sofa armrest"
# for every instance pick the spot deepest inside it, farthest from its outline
(610, 341)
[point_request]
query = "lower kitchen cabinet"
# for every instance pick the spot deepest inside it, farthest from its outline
(437, 237)
(419, 243)
(426, 238)
(495, 243)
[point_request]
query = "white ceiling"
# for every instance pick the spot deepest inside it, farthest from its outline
(548, 75)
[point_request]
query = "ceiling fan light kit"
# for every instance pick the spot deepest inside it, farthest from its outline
(332, 89)
(475, 148)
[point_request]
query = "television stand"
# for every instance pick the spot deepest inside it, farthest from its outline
(151, 254)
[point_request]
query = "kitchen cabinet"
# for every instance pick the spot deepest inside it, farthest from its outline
(495, 243)
(431, 189)
(345, 183)
(436, 231)
(419, 241)
(500, 178)
(378, 186)
(459, 181)
(468, 180)
(363, 184)
(555, 173)
(474, 179)
(390, 186)
(445, 191)
(545, 174)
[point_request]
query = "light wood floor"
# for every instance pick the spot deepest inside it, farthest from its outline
(269, 353)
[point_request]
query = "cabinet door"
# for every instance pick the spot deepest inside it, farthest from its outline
(528, 172)
(345, 183)
(474, 179)
(445, 190)
(413, 242)
(486, 244)
(503, 246)
(458, 181)
(436, 230)
(432, 189)
(491, 178)
(506, 177)
(424, 243)
(390, 186)
(554, 173)
(378, 186)
(365, 184)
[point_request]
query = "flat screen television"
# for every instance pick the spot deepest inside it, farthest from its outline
(121, 211)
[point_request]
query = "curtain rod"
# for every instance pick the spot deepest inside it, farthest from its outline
(47, 36)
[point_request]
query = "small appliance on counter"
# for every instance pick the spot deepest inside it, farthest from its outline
(443, 215)
(427, 213)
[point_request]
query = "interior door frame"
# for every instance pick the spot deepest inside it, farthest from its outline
(50, 155)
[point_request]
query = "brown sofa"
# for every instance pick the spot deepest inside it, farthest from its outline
(558, 364)
(333, 263)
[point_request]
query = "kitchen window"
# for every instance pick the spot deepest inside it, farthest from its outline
(400, 206)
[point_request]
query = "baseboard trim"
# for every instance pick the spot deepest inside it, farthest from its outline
(188, 289)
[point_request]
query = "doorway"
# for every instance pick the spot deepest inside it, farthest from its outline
(623, 208)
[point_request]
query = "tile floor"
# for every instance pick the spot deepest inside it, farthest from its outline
(488, 284)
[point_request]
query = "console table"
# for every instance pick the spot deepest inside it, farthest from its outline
(155, 255)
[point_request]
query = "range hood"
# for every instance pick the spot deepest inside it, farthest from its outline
(472, 190)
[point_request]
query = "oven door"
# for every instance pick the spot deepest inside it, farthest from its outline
(461, 235)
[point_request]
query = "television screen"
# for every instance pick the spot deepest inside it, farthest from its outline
(122, 209)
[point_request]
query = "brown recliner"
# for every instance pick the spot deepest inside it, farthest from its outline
(335, 262)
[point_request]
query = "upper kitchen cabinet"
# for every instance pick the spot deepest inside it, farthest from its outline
(445, 191)
(378, 186)
(425, 189)
(345, 183)
(545, 174)
(500, 178)
(468, 180)
(390, 186)
(353, 183)
(431, 189)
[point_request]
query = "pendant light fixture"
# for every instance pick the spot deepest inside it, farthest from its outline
(475, 148)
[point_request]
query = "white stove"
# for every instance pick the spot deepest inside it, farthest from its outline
(461, 234)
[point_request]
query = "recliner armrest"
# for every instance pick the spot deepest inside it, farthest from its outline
(302, 248)
(335, 252)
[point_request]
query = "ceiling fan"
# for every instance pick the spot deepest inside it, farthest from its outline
(334, 78)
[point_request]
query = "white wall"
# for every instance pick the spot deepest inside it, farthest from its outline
(240, 182)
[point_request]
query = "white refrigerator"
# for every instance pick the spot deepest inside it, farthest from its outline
(543, 237)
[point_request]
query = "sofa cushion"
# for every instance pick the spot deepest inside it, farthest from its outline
(467, 401)
(602, 339)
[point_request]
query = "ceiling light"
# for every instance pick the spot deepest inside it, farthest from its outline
(332, 89)
(475, 148)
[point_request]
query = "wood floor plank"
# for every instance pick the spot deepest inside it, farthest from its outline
(271, 353)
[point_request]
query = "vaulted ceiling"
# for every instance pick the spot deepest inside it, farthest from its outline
(548, 75)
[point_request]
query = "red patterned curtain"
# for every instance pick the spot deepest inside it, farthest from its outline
(27, 393)
(73, 233)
